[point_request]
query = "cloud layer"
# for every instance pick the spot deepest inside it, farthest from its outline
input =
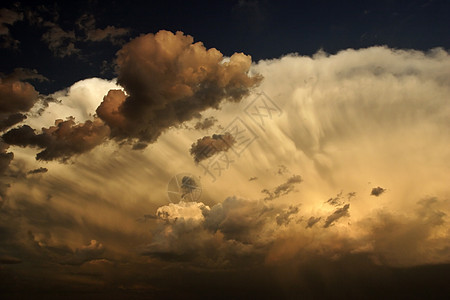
(349, 123)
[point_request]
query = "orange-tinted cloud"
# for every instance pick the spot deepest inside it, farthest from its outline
(169, 79)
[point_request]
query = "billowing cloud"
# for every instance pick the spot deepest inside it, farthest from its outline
(61, 141)
(348, 120)
(168, 80)
(209, 146)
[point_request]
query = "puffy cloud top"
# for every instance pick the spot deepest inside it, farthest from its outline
(169, 79)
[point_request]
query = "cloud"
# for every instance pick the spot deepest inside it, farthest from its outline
(86, 253)
(368, 115)
(10, 120)
(67, 42)
(61, 141)
(377, 191)
(38, 171)
(312, 221)
(8, 17)
(5, 160)
(209, 146)
(15, 95)
(336, 201)
(6, 259)
(168, 80)
(336, 215)
(284, 218)
(283, 189)
(110, 33)
(205, 123)
(59, 41)
(21, 74)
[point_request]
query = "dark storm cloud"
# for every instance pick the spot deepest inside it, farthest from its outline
(10, 120)
(38, 171)
(169, 79)
(61, 141)
(336, 215)
(377, 191)
(205, 123)
(283, 189)
(209, 146)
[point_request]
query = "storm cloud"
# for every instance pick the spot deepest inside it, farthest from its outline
(168, 79)
(61, 141)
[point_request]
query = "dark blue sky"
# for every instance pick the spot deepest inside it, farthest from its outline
(263, 29)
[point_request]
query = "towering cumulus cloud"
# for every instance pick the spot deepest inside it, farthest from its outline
(168, 79)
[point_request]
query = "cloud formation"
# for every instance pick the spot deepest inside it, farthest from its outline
(283, 189)
(61, 141)
(169, 79)
(209, 146)
(377, 191)
(7, 18)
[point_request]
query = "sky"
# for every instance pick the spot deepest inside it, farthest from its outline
(224, 149)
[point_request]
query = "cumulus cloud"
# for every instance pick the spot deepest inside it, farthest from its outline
(209, 146)
(369, 115)
(169, 79)
(61, 141)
